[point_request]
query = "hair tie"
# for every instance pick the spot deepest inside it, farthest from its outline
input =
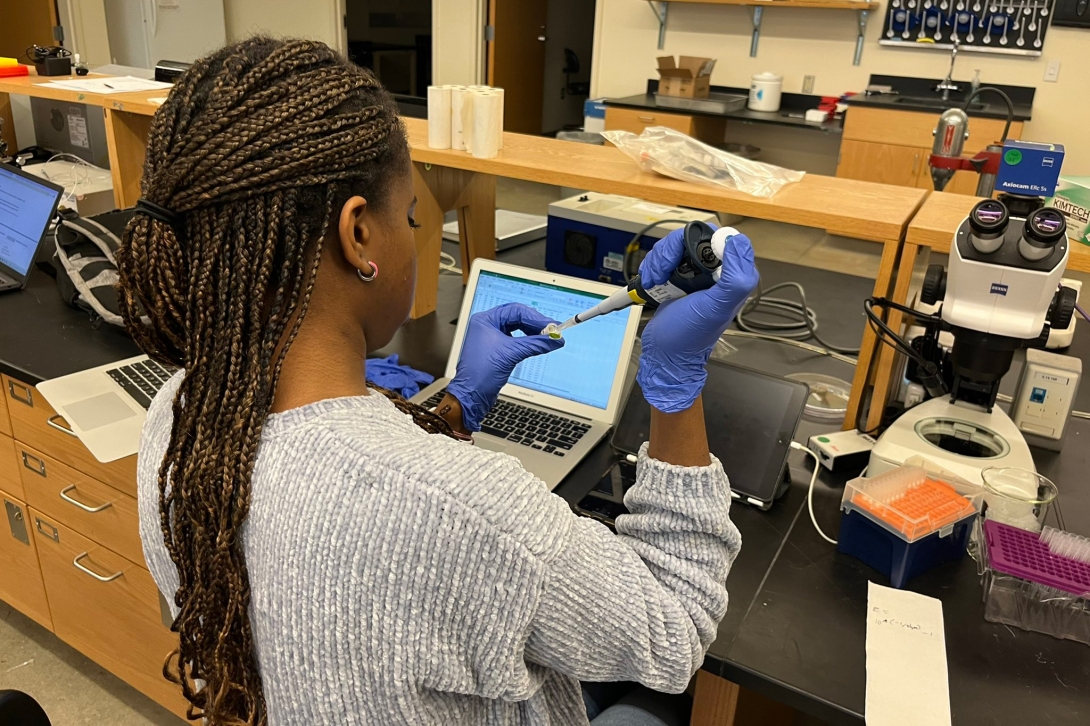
(155, 211)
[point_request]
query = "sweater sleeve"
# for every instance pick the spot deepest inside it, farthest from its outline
(644, 604)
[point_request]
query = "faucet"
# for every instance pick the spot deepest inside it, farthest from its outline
(947, 84)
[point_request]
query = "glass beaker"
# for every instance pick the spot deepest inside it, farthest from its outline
(1018, 497)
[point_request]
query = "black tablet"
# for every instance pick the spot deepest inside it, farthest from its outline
(751, 418)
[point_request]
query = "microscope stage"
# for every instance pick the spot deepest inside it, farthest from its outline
(961, 439)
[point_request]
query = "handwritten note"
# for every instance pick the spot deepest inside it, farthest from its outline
(907, 684)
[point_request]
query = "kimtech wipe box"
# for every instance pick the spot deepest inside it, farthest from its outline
(1072, 200)
(687, 77)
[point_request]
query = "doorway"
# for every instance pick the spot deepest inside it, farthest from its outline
(392, 38)
(539, 52)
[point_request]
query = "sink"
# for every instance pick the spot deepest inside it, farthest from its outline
(935, 103)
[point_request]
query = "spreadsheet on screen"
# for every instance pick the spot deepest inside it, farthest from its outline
(581, 371)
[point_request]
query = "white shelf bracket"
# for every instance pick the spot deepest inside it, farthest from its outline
(864, 15)
(660, 15)
(758, 13)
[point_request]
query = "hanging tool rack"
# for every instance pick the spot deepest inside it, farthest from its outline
(1010, 27)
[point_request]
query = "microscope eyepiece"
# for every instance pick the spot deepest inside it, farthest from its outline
(1043, 231)
(987, 223)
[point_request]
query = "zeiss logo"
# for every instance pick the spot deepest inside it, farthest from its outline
(998, 289)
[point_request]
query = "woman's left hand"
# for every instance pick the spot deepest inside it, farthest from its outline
(490, 354)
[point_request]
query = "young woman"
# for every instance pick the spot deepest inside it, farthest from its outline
(334, 554)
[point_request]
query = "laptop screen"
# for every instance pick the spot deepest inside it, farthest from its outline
(25, 210)
(583, 370)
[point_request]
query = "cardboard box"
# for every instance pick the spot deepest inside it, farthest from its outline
(1073, 201)
(687, 77)
(1029, 168)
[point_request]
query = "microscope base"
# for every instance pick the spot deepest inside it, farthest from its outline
(961, 439)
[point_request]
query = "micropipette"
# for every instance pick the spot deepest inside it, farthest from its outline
(700, 267)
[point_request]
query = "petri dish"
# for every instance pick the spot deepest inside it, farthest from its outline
(828, 400)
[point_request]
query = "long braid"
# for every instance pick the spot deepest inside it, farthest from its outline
(256, 149)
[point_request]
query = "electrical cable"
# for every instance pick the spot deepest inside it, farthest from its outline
(633, 245)
(796, 343)
(810, 490)
(1082, 312)
(447, 263)
(801, 319)
(887, 335)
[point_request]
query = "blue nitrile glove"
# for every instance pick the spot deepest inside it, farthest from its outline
(679, 339)
(490, 354)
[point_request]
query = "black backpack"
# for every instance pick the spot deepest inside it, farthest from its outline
(86, 261)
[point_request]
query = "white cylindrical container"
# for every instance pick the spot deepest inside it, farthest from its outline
(458, 95)
(486, 139)
(439, 117)
(764, 92)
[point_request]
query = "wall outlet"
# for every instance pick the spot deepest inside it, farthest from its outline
(1052, 71)
(808, 83)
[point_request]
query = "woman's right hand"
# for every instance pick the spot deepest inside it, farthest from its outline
(679, 339)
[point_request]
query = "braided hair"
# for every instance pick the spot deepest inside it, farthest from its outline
(254, 152)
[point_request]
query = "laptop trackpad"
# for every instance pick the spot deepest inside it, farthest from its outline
(97, 411)
(491, 445)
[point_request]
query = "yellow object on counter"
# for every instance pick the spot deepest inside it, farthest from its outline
(6, 62)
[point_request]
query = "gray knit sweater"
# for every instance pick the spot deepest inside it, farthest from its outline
(406, 578)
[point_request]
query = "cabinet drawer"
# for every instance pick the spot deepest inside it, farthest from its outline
(5, 422)
(88, 506)
(10, 480)
(20, 577)
(912, 128)
(35, 423)
(107, 608)
(636, 120)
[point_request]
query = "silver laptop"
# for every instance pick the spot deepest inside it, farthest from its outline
(27, 205)
(106, 406)
(558, 406)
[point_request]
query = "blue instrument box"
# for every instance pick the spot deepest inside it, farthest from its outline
(589, 233)
(1029, 168)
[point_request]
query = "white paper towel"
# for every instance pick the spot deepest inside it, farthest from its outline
(487, 106)
(458, 96)
(439, 118)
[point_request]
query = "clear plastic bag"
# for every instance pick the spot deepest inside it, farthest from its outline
(674, 154)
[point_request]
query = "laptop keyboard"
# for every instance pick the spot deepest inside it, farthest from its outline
(530, 427)
(141, 380)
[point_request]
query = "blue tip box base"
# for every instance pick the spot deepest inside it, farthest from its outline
(891, 555)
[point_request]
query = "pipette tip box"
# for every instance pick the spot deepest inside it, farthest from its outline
(1028, 587)
(907, 521)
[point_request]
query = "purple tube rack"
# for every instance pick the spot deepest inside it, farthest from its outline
(1022, 554)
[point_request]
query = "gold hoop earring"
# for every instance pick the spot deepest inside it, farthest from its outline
(372, 276)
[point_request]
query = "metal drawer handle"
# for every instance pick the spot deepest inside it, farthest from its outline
(646, 119)
(28, 399)
(38, 468)
(81, 505)
(52, 422)
(92, 573)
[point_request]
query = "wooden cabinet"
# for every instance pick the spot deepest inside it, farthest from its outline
(893, 147)
(882, 163)
(107, 608)
(35, 423)
(706, 128)
(70, 555)
(92, 508)
(5, 422)
(20, 577)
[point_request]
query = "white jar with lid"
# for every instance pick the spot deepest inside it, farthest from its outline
(764, 92)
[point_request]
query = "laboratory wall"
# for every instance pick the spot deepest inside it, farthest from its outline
(317, 19)
(458, 44)
(797, 41)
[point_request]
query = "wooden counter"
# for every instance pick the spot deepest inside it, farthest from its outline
(448, 180)
(939, 217)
